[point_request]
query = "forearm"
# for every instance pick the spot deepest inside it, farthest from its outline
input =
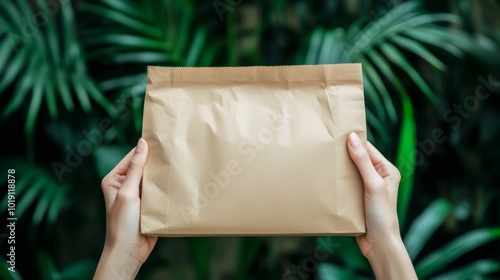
(115, 264)
(390, 260)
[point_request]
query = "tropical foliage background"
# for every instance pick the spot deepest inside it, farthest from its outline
(431, 79)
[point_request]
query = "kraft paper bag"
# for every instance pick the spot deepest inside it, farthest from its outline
(252, 151)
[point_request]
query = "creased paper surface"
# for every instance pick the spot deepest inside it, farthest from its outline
(252, 151)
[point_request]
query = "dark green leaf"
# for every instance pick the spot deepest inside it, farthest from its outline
(31, 194)
(64, 90)
(50, 97)
(436, 41)
(405, 158)
(418, 49)
(22, 89)
(44, 201)
(33, 109)
(425, 225)
(376, 80)
(329, 271)
(145, 57)
(348, 250)
(106, 157)
(184, 23)
(383, 66)
(81, 93)
(121, 18)
(247, 252)
(6, 49)
(19, 61)
(314, 46)
(122, 82)
(209, 54)
(47, 267)
(57, 204)
(397, 58)
(94, 92)
(475, 270)
(200, 248)
(130, 41)
(453, 250)
(79, 270)
(5, 273)
(126, 7)
(414, 22)
(328, 46)
(13, 16)
(51, 35)
(196, 48)
(381, 130)
(70, 44)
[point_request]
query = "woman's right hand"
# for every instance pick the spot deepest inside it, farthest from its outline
(382, 244)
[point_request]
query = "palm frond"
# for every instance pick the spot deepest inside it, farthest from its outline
(329, 271)
(383, 42)
(138, 35)
(425, 225)
(37, 190)
(45, 67)
(475, 270)
(453, 250)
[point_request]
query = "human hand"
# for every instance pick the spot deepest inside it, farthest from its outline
(125, 249)
(381, 181)
(382, 244)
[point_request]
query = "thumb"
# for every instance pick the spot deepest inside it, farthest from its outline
(136, 167)
(362, 160)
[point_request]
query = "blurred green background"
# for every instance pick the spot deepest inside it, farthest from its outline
(431, 80)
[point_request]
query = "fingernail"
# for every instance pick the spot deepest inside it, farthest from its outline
(140, 145)
(354, 140)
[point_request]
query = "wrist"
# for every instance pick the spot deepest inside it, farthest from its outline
(391, 242)
(115, 263)
(389, 259)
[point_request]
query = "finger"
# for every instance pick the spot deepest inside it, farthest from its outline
(114, 180)
(113, 188)
(122, 167)
(362, 161)
(387, 169)
(135, 168)
(375, 156)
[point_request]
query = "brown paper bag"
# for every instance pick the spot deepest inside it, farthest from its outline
(252, 151)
